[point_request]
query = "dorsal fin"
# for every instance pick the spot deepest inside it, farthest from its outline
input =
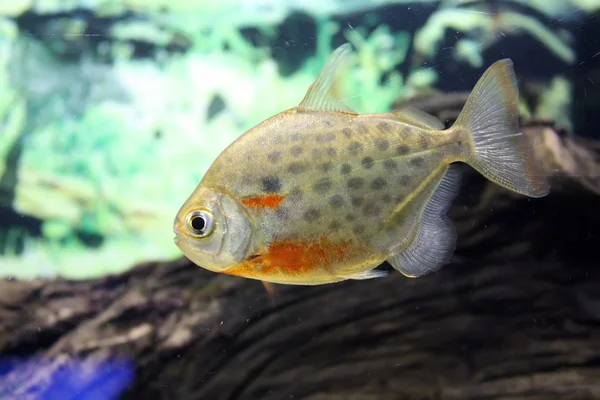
(323, 95)
(414, 116)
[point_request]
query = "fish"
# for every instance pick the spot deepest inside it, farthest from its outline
(319, 193)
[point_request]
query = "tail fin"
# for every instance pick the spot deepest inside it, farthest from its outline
(499, 150)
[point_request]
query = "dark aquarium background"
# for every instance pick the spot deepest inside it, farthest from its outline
(112, 110)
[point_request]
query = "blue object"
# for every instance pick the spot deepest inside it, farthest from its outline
(83, 379)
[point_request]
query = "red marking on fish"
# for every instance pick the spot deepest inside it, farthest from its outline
(295, 258)
(270, 200)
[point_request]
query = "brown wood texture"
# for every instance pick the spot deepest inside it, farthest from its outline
(516, 315)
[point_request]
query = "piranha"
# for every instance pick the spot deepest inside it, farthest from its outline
(320, 194)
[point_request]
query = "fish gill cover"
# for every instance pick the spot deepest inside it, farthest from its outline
(111, 111)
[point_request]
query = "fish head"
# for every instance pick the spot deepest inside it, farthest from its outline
(213, 230)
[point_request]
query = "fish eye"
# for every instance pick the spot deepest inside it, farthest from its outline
(199, 223)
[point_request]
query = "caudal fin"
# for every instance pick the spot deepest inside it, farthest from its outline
(499, 150)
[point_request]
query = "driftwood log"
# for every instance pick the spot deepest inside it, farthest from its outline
(516, 315)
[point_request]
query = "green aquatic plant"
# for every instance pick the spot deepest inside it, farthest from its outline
(12, 106)
(371, 69)
(555, 101)
(378, 56)
(486, 28)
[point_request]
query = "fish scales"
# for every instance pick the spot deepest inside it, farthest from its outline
(351, 171)
(319, 193)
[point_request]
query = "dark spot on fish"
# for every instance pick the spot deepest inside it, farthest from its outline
(371, 210)
(322, 186)
(424, 142)
(402, 150)
(362, 129)
(331, 152)
(386, 198)
(274, 156)
(335, 225)
(459, 143)
(295, 195)
(328, 123)
(271, 184)
(326, 167)
(403, 180)
(296, 151)
(347, 132)
(367, 162)
(345, 169)
(399, 199)
(384, 127)
(378, 183)
(357, 201)
(297, 168)
(350, 217)
(276, 139)
(355, 147)
(390, 164)
(325, 137)
(382, 144)
(336, 201)
(417, 161)
(294, 137)
(312, 214)
(356, 183)
(358, 228)
(316, 153)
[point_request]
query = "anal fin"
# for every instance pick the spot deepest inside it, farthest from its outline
(365, 275)
(433, 239)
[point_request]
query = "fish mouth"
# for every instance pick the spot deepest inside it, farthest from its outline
(185, 244)
(179, 241)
